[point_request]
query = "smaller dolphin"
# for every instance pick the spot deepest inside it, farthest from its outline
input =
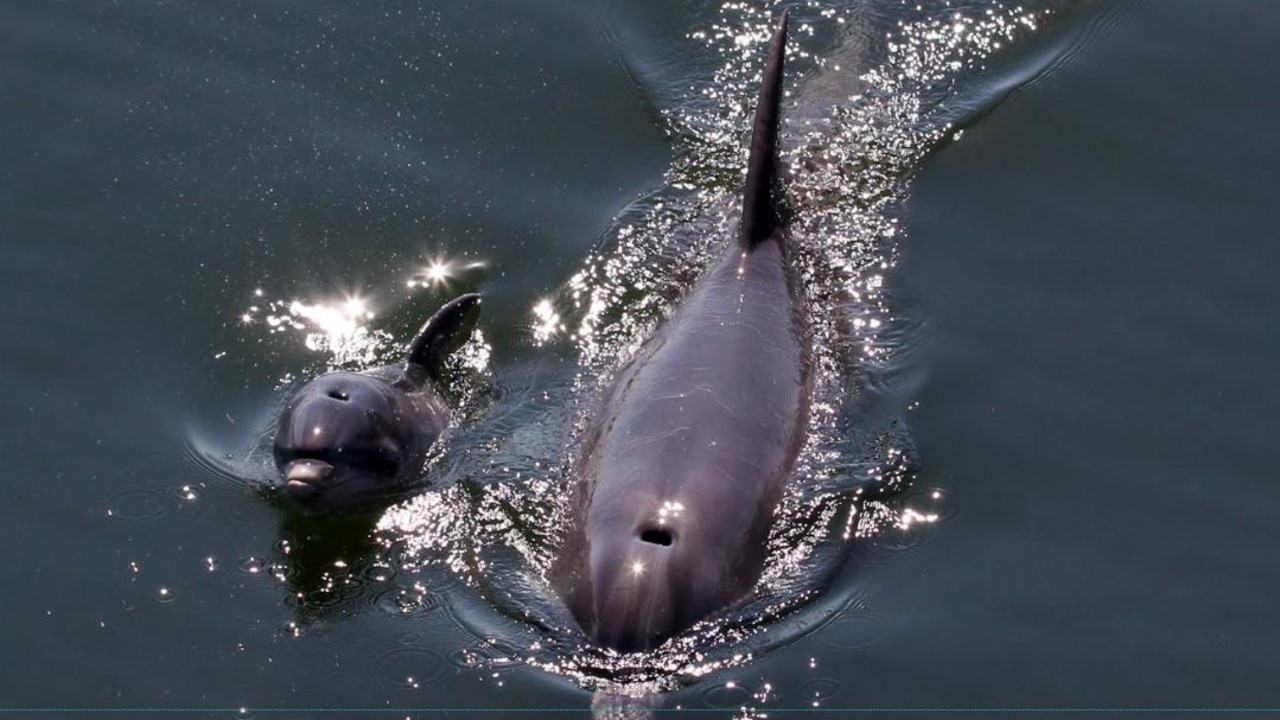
(347, 438)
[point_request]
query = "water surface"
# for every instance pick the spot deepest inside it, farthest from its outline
(1075, 305)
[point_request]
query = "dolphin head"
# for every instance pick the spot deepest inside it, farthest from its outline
(644, 582)
(635, 605)
(347, 436)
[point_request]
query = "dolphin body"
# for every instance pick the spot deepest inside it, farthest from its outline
(346, 439)
(684, 462)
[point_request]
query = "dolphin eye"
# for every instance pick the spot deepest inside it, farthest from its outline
(339, 395)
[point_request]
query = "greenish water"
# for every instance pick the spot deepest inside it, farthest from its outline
(1078, 303)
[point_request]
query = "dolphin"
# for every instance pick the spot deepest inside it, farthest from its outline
(684, 461)
(347, 438)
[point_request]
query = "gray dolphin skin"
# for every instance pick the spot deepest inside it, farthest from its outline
(347, 438)
(682, 466)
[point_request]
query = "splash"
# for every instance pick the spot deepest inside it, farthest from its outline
(868, 103)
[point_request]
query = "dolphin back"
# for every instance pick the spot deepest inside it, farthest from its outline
(695, 438)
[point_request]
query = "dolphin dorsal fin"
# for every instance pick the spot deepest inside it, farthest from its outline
(761, 216)
(443, 333)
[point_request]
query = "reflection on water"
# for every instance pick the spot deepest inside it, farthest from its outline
(344, 327)
(885, 109)
(338, 328)
(166, 159)
(441, 271)
(495, 518)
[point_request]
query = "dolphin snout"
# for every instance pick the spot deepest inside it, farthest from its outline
(636, 605)
(304, 478)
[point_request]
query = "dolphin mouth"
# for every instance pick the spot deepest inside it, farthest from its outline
(305, 478)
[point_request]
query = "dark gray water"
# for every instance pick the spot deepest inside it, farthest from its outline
(1075, 302)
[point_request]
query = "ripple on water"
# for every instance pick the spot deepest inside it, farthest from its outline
(238, 471)
(409, 668)
(850, 175)
(857, 629)
(406, 602)
(334, 590)
(254, 566)
(136, 505)
(240, 512)
(189, 493)
(727, 696)
(821, 691)
(492, 653)
(25, 500)
(902, 538)
(379, 572)
(260, 606)
(439, 579)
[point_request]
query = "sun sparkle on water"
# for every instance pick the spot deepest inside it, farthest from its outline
(339, 327)
(850, 172)
(441, 270)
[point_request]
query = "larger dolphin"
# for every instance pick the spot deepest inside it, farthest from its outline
(683, 465)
